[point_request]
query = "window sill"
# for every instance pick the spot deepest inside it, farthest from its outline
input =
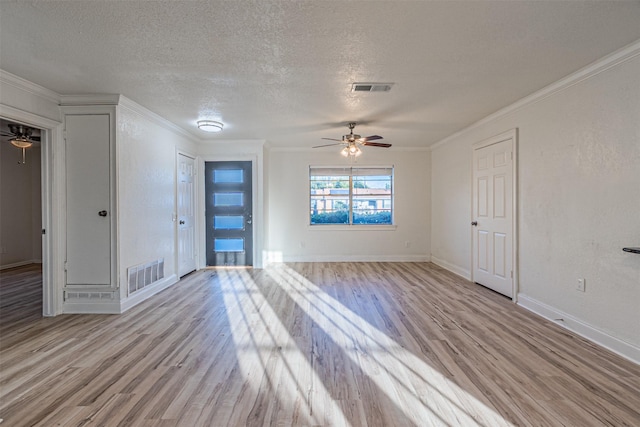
(337, 227)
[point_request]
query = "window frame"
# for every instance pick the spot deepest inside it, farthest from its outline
(348, 172)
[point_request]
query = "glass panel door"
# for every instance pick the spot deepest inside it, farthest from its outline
(228, 213)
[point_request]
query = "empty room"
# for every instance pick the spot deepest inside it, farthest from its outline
(319, 213)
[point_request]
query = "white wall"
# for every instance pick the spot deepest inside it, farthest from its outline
(146, 151)
(290, 237)
(20, 206)
(579, 199)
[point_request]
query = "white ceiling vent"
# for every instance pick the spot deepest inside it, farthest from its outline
(371, 87)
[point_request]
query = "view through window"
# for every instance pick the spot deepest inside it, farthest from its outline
(351, 195)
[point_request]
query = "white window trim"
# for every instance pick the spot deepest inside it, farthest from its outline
(355, 227)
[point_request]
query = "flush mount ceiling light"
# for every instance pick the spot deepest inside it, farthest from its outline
(210, 126)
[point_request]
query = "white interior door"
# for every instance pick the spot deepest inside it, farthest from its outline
(87, 158)
(493, 214)
(186, 215)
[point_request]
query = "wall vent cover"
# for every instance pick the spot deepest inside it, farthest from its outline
(145, 274)
(371, 87)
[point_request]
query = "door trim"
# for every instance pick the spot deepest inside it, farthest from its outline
(196, 207)
(256, 160)
(52, 166)
(513, 135)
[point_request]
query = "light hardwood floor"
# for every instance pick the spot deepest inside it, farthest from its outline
(364, 344)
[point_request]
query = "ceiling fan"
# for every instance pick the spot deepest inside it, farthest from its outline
(353, 141)
(22, 137)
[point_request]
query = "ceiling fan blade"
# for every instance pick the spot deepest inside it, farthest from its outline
(332, 139)
(34, 138)
(6, 134)
(327, 145)
(371, 138)
(376, 144)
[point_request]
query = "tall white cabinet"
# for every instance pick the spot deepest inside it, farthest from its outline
(91, 270)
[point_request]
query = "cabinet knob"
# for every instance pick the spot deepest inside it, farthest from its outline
(474, 223)
(181, 222)
(102, 213)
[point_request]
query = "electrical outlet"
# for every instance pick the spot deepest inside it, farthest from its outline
(580, 286)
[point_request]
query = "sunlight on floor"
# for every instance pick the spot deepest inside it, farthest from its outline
(406, 384)
(257, 331)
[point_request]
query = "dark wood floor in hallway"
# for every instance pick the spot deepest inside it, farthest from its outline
(306, 344)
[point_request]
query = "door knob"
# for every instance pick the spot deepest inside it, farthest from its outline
(102, 213)
(474, 223)
(181, 222)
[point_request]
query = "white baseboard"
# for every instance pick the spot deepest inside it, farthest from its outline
(462, 272)
(356, 258)
(20, 264)
(147, 292)
(624, 349)
(81, 307)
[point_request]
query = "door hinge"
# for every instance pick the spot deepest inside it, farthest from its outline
(44, 231)
(512, 274)
(65, 266)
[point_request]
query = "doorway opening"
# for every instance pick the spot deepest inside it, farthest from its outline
(229, 213)
(21, 224)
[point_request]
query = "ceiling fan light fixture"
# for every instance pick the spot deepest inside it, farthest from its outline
(351, 150)
(21, 142)
(210, 125)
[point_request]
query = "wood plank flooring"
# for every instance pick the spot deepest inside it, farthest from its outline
(306, 344)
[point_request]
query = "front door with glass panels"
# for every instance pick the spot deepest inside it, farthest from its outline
(228, 213)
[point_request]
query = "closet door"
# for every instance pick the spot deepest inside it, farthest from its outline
(88, 189)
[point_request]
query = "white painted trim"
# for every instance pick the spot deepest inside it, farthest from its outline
(138, 109)
(603, 64)
(25, 117)
(257, 203)
(148, 292)
(511, 134)
(354, 227)
(622, 348)
(52, 190)
(455, 269)
(90, 99)
(112, 307)
(20, 264)
(196, 208)
(29, 87)
(356, 258)
(275, 149)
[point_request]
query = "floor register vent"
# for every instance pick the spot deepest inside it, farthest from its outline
(145, 274)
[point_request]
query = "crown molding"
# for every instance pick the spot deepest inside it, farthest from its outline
(614, 59)
(89, 99)
(26, 117)
(30, 87)
(155, 118)
(276, 149)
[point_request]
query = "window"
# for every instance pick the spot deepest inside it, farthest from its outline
(352, 195)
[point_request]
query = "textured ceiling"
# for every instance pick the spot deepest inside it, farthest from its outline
(281, 70)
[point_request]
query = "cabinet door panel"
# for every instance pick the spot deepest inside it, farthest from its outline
(88, 199)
